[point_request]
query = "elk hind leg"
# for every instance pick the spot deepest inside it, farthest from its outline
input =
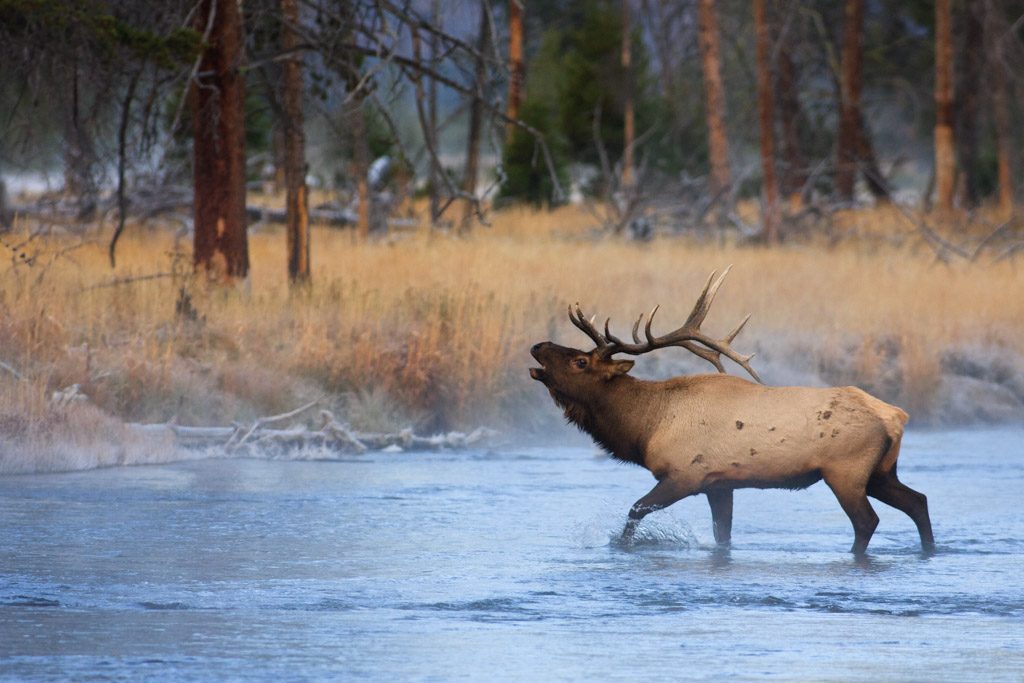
(721, 514)
(887, 488)
(854, 501)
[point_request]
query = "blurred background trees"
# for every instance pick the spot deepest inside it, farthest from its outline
(662, 110)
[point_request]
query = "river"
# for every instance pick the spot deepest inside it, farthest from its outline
(502, 566)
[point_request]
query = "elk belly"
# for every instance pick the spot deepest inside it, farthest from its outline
(740, 476)
(750, 467)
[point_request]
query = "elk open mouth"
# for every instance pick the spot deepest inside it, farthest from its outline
(538, 374)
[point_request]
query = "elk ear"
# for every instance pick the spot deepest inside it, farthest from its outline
(619, 367)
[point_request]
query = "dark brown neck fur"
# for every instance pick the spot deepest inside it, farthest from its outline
(617, 419)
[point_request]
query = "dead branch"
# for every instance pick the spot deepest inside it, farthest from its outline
(332, 436)
(339, 217)
(1009, 251)
(990, 238)
(117, 282)
(235, 444)
(940, 245)
(10, 369)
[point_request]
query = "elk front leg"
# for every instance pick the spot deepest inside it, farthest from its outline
(721, 514)
(661, 496)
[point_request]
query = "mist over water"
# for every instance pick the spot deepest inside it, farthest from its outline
(504, 566)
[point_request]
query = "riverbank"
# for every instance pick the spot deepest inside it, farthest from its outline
(433, 333)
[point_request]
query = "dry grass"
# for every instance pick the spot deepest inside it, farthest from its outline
(435, 331)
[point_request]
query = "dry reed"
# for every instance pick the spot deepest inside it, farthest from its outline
(435, 331)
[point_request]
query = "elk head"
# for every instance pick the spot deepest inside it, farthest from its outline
(574, 374)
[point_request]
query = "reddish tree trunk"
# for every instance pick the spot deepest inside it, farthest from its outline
(217, 102)
(476, 117)
(945, 158)
(296, 199)
(628, 121)
(1004, 131)
(766, 116)
(435, 180)
(847, 147)
(877, 185)
(361, 167)
(967, 122)
(516, 69)
(795, 176)
(714, 97)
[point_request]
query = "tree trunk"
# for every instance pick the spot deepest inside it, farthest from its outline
(296, 199)
(790, 117)
(628, 121)
(765, 110)
(435, 168)
(847, 143)
(217, 103)
(80, 157)
(516, 70)
(1000, 109)
(361, 167)
(714, 97)
(5, 218)
(945, 159)
(476, 118)
(278, 152)
(967, 122)
(661, 28)
(877, 185)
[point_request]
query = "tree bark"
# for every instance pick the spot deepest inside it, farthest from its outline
(661, 27)
(361, 167)
(1000, 107)
(435, 168)
(790, 117)
(80, 157)
(847, 143)
(766, 117)
(277, 151)
(868, 161)
(945, 156)
(714, 96)
(628, 116)
(516, 69)
(476, 117)
(217, 103)
(967, 122)
(296, 198)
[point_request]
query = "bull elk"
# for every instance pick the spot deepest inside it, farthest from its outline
(715, 433)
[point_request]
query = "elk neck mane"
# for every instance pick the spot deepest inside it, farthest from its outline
(608, 433)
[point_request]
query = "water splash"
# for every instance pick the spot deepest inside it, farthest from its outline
(661, 530)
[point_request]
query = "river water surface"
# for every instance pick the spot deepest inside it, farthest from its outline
(494, 566)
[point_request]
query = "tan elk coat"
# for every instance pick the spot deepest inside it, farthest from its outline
(712, 434)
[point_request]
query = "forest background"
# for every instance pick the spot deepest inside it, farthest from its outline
(218, 211)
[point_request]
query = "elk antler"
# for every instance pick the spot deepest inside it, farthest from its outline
(689, 336)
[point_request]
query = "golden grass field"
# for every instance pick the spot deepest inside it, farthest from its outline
(434, 332)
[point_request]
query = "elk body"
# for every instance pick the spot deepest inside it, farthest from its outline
(715, 433)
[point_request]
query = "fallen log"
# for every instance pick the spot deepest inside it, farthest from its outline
(336, 217)
(65, 212)
(333, 436)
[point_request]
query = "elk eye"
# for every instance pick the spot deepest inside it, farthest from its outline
(580, 363)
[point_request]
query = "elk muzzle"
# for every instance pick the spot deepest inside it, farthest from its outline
(536, 350)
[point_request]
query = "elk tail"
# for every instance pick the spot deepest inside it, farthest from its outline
(894, 424)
